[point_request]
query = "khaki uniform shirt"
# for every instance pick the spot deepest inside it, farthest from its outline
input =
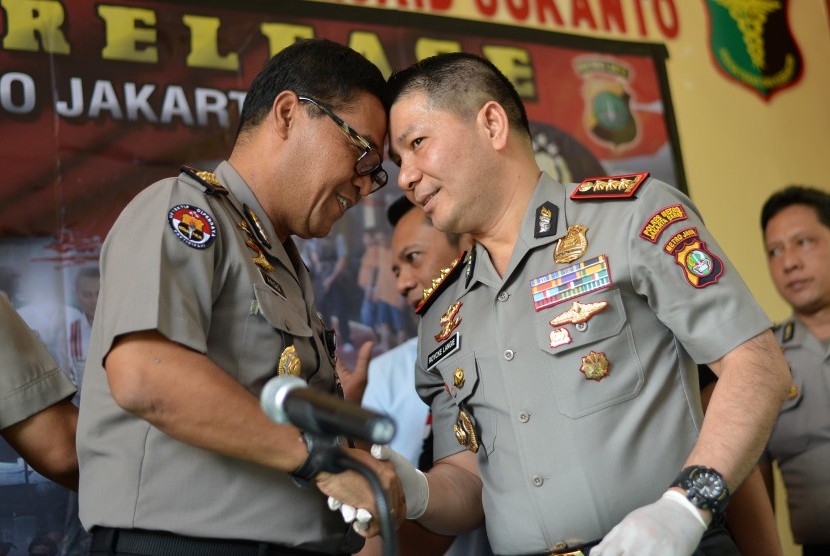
(580, 423)
(30, 379)
(800, 441)
(176, 261)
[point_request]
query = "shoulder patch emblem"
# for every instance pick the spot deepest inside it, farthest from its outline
(661, 220)
(193, 225)
(701, 266)
(447, 277)
(610, 187)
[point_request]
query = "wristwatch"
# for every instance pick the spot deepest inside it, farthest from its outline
(705, 488)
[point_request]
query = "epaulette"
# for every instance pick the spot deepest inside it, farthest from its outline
(207, 179)
(448, 276)
(609, 187)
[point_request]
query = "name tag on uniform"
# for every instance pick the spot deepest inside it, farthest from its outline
(444, 350)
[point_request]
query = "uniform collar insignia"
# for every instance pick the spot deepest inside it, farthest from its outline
(546, 219)
(447, 276)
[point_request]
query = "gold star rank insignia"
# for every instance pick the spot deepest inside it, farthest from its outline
(595, 366)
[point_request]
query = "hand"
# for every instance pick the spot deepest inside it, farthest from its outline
(352, 490)
(414, 482)
(354, 381)
(672, 525)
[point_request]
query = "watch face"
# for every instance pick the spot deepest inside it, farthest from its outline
(708, 485)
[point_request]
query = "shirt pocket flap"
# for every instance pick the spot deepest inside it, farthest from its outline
(279, 313)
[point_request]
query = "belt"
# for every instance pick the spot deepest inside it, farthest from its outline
(563, 549)
(161, 543)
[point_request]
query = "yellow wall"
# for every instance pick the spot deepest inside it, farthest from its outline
(736, 147)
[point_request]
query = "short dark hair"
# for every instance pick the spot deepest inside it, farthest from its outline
(797, 195)
(461, 83)
(322, 69)
(402, 205)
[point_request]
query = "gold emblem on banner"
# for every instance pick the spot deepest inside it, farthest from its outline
(465, 431)
(289, 362)
(572, 246)
(595, 366)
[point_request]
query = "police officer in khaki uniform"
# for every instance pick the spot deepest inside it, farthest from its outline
(204, 298)
(37, 417)
(796, 224)
(559, 356)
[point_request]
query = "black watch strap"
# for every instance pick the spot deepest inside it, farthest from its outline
(705, 488)
(317, 457)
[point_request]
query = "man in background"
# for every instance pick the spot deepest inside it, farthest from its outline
(418, 254)
(796, 226)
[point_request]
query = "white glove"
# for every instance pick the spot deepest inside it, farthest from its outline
(414, 482)
(672, 525)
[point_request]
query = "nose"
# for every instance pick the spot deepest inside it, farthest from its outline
(790, 260)
(363, 184)
(405, 283)
(408, 176)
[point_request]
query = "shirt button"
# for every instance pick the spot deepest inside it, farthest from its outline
(537, 480)
(524, 416)
(508, 354)
(503, 296)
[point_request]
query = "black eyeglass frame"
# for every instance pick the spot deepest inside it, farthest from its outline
(364, 165)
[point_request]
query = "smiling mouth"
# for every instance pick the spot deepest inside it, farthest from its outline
(345, 203)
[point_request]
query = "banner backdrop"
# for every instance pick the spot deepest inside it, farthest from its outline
(99, 100)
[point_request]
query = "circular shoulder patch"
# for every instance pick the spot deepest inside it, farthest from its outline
(192, 225)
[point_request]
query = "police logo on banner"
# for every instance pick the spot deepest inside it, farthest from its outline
(193, 225)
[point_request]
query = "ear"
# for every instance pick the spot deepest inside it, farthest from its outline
(284, 112)
(493, 120)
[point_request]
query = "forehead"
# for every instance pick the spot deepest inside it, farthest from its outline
(793, 220)
(414, 228)
(367, 117)
(410, 112)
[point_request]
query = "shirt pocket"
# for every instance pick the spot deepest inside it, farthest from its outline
(592, 366)
(789, 437)
(463, 381)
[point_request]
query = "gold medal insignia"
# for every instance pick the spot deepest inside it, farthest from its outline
(572, 246)
(449, 322)
(259, 229)
(793, 393)
(595, 366)
(559, 337)
(289, 362)
(465, 431)
(458, 378)
(260, 259)
(579, 313)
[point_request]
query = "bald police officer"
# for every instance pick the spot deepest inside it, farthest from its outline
(204, 297)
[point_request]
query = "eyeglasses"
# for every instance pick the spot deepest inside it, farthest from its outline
(369, 162)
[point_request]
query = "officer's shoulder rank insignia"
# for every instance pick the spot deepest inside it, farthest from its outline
(193, 225)
(609, 187)
(447, 277)
(207, 180)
